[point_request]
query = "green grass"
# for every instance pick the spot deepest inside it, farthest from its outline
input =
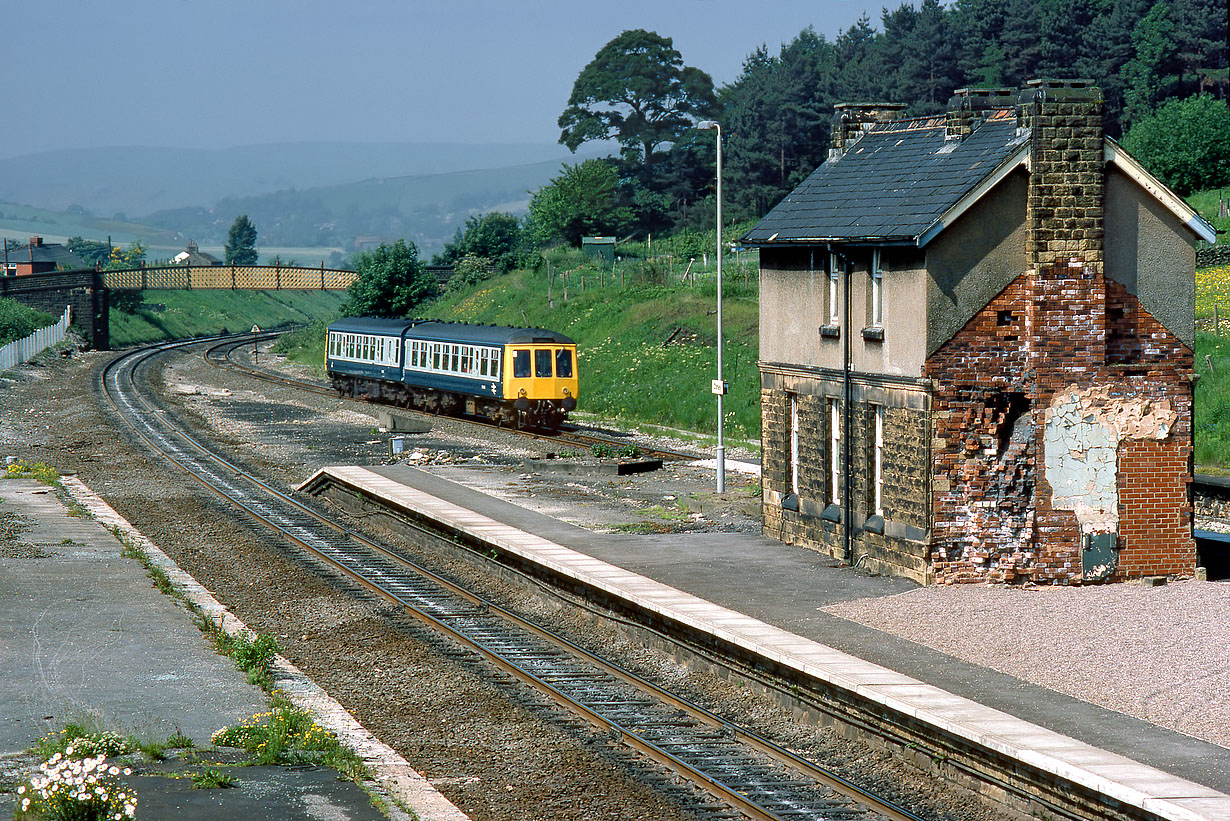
(1212, 422)
(203, 313)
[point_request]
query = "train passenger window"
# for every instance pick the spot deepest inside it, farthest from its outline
(542, 362)
(436, 354)
(456, 357)
(521, 364)
(467, 359)
(563, 363)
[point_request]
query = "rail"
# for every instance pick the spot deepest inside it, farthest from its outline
(23, 350)
(743, 771)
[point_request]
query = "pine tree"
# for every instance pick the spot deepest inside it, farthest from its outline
(241, 242)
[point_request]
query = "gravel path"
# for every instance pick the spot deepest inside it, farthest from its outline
(1157, 653)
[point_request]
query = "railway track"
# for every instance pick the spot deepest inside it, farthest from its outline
(747, 775)
(220, 355)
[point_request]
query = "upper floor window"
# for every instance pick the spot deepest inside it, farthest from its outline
(876, 301)
(834, 310)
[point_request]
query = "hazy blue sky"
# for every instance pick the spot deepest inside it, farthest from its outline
(218, 73)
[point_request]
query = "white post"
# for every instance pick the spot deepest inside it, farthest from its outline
(719, 385)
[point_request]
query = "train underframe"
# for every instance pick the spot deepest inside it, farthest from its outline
(539, 414)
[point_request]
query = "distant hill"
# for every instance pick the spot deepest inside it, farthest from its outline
(136, 181)
(426, 208)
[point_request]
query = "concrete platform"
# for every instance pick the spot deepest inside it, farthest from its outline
(85, 637)
(762, 595)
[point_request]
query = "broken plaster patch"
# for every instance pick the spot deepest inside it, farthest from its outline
(1082, 436)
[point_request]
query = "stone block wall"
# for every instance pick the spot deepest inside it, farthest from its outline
(895, 543)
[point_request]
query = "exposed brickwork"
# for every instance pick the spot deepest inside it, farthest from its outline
(994, 514)
(984, 446)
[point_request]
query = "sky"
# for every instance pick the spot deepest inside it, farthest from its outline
(223, 73)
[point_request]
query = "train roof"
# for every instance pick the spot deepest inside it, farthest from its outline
(450, 331)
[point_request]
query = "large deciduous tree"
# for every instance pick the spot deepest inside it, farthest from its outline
(241, 242)
(1186, 144)
(638, 91)
(391, 282)
(583, 200)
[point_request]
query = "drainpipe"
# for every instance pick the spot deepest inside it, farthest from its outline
(846, 399)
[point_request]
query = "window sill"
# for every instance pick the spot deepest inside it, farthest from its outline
(830, 331)
(875, 334)
(874, 524)
(832, 513)
(790, 502)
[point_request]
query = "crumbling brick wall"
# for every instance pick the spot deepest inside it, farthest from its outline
(1045, 433)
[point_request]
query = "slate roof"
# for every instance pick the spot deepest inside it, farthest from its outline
(892, 184)
(46, 253)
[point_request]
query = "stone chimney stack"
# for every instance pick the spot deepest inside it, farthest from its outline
(968, 107)
(852, 120)
(1066, 179)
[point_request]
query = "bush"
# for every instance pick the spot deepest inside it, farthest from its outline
(18, 321)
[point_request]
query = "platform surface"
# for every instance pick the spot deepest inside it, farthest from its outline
(762, 592)
(85, 637)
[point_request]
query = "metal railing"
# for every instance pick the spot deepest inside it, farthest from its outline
(23, 350)
(231, 277)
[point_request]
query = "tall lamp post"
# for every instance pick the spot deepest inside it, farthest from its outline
(719, 385)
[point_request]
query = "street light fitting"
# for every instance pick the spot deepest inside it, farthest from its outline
(707, 124)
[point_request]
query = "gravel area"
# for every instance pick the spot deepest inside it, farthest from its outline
(490, 748)
(1156, 653)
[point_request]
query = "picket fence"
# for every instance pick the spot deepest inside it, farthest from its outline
(23, 350)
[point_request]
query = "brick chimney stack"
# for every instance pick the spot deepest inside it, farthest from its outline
(968, 107)
(852, 120)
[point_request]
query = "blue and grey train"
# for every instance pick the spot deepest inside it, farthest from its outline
(522, 377)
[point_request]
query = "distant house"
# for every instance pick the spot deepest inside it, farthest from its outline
(195, 256)
(39, 257)
(976, 341)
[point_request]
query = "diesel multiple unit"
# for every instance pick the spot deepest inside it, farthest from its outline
(524, 377)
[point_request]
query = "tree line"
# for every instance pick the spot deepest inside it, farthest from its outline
(1161, 66)
(776, 114)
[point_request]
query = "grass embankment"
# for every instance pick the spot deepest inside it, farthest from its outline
(646, 341)
(174, 314)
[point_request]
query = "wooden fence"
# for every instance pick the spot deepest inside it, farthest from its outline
(230, 277)
(23, 350)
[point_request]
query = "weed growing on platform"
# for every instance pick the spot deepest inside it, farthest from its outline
(211, 779)
(39, 472)
(84, 741)
(252, 652)
(74, 784)
(288, 735)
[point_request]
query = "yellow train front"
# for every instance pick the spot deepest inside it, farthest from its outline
(523, 377)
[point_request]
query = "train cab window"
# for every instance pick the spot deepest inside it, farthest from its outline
(521, 364)
(542, 362)
(563, 363)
